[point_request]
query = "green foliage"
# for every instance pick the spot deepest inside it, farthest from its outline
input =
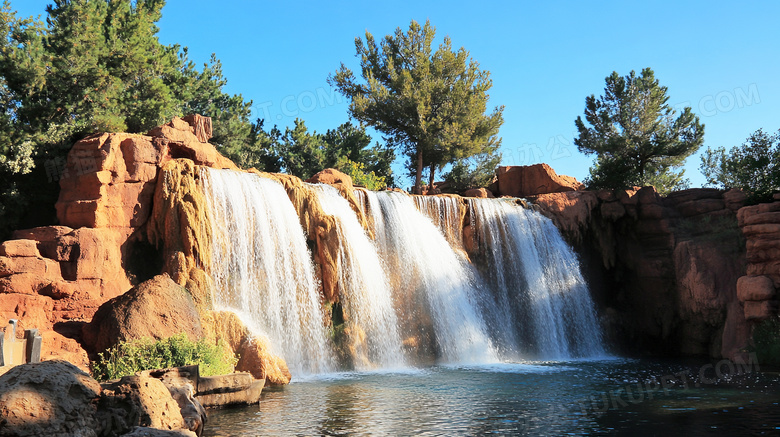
(766, 341)
(127, 358)
(94, 66)
(754, 166)
(303, 153)
(635, 136)
(360, 177)
(430, 105)
(261, 152)
(474, 172)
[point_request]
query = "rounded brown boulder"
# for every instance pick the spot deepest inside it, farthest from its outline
(158, 308)
(48, 398)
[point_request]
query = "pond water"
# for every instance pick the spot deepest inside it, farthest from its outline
(618, 396)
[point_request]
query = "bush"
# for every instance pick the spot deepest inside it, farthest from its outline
(474, 172)
(127, 358)
(754, 166)
(361, 178)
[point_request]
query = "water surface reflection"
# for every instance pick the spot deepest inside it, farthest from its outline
(554, 398)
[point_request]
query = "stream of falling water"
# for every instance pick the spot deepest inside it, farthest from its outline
(535, 275)
(365, 293)
(432, 281)
(412, 295)
(262, 268)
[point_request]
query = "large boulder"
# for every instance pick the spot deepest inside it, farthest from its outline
(48, 398)
(531, 180)
(140, 400)
(157, 308)
(55, 398)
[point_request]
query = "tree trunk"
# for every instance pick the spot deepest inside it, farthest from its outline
(433, 173)
(418, 176)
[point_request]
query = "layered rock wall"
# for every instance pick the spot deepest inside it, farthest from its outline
(665, 268)
(54, 278)
(757, 290)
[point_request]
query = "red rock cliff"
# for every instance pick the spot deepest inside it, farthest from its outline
(666, 268)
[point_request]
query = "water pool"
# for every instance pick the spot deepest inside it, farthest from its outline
(641, 398)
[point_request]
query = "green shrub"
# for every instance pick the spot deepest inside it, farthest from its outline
(766, 340)
(127, 358)
(754, 166)
(357, 171)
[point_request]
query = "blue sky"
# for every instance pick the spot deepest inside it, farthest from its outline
(722, 58)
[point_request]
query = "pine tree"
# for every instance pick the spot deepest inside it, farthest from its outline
(431, 105)
(635, 136)
(94, 66)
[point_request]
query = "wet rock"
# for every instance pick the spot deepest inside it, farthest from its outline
(482, 193)
(257, 359)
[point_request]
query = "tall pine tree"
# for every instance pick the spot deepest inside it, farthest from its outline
(430, 104)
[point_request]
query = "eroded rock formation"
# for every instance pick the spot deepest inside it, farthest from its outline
(670, 272)
(758, 289)
(54, 278)
(531, 180)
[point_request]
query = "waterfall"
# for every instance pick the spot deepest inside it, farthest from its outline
(444, 212)
(364, 290)
(431, 281)
(416, 293)
(535, 273)
(262, 268)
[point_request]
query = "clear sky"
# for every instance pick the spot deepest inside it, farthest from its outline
(722, 58)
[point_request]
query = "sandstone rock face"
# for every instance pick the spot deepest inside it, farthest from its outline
(479, 192)
(56, 276)
(176, 222)
(257, 360)
(49, 398)
(157, 308)
(320, 227)
(141, 400)
(755, 288)
(532, 180)
(180, 139)
(255, 354)
(758, 289)
(668, 266)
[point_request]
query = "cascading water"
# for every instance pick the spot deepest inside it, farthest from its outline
(534, 272)
(262, 268)
(413, 294)
(365, 292)
(431, 281)
(444, 212)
